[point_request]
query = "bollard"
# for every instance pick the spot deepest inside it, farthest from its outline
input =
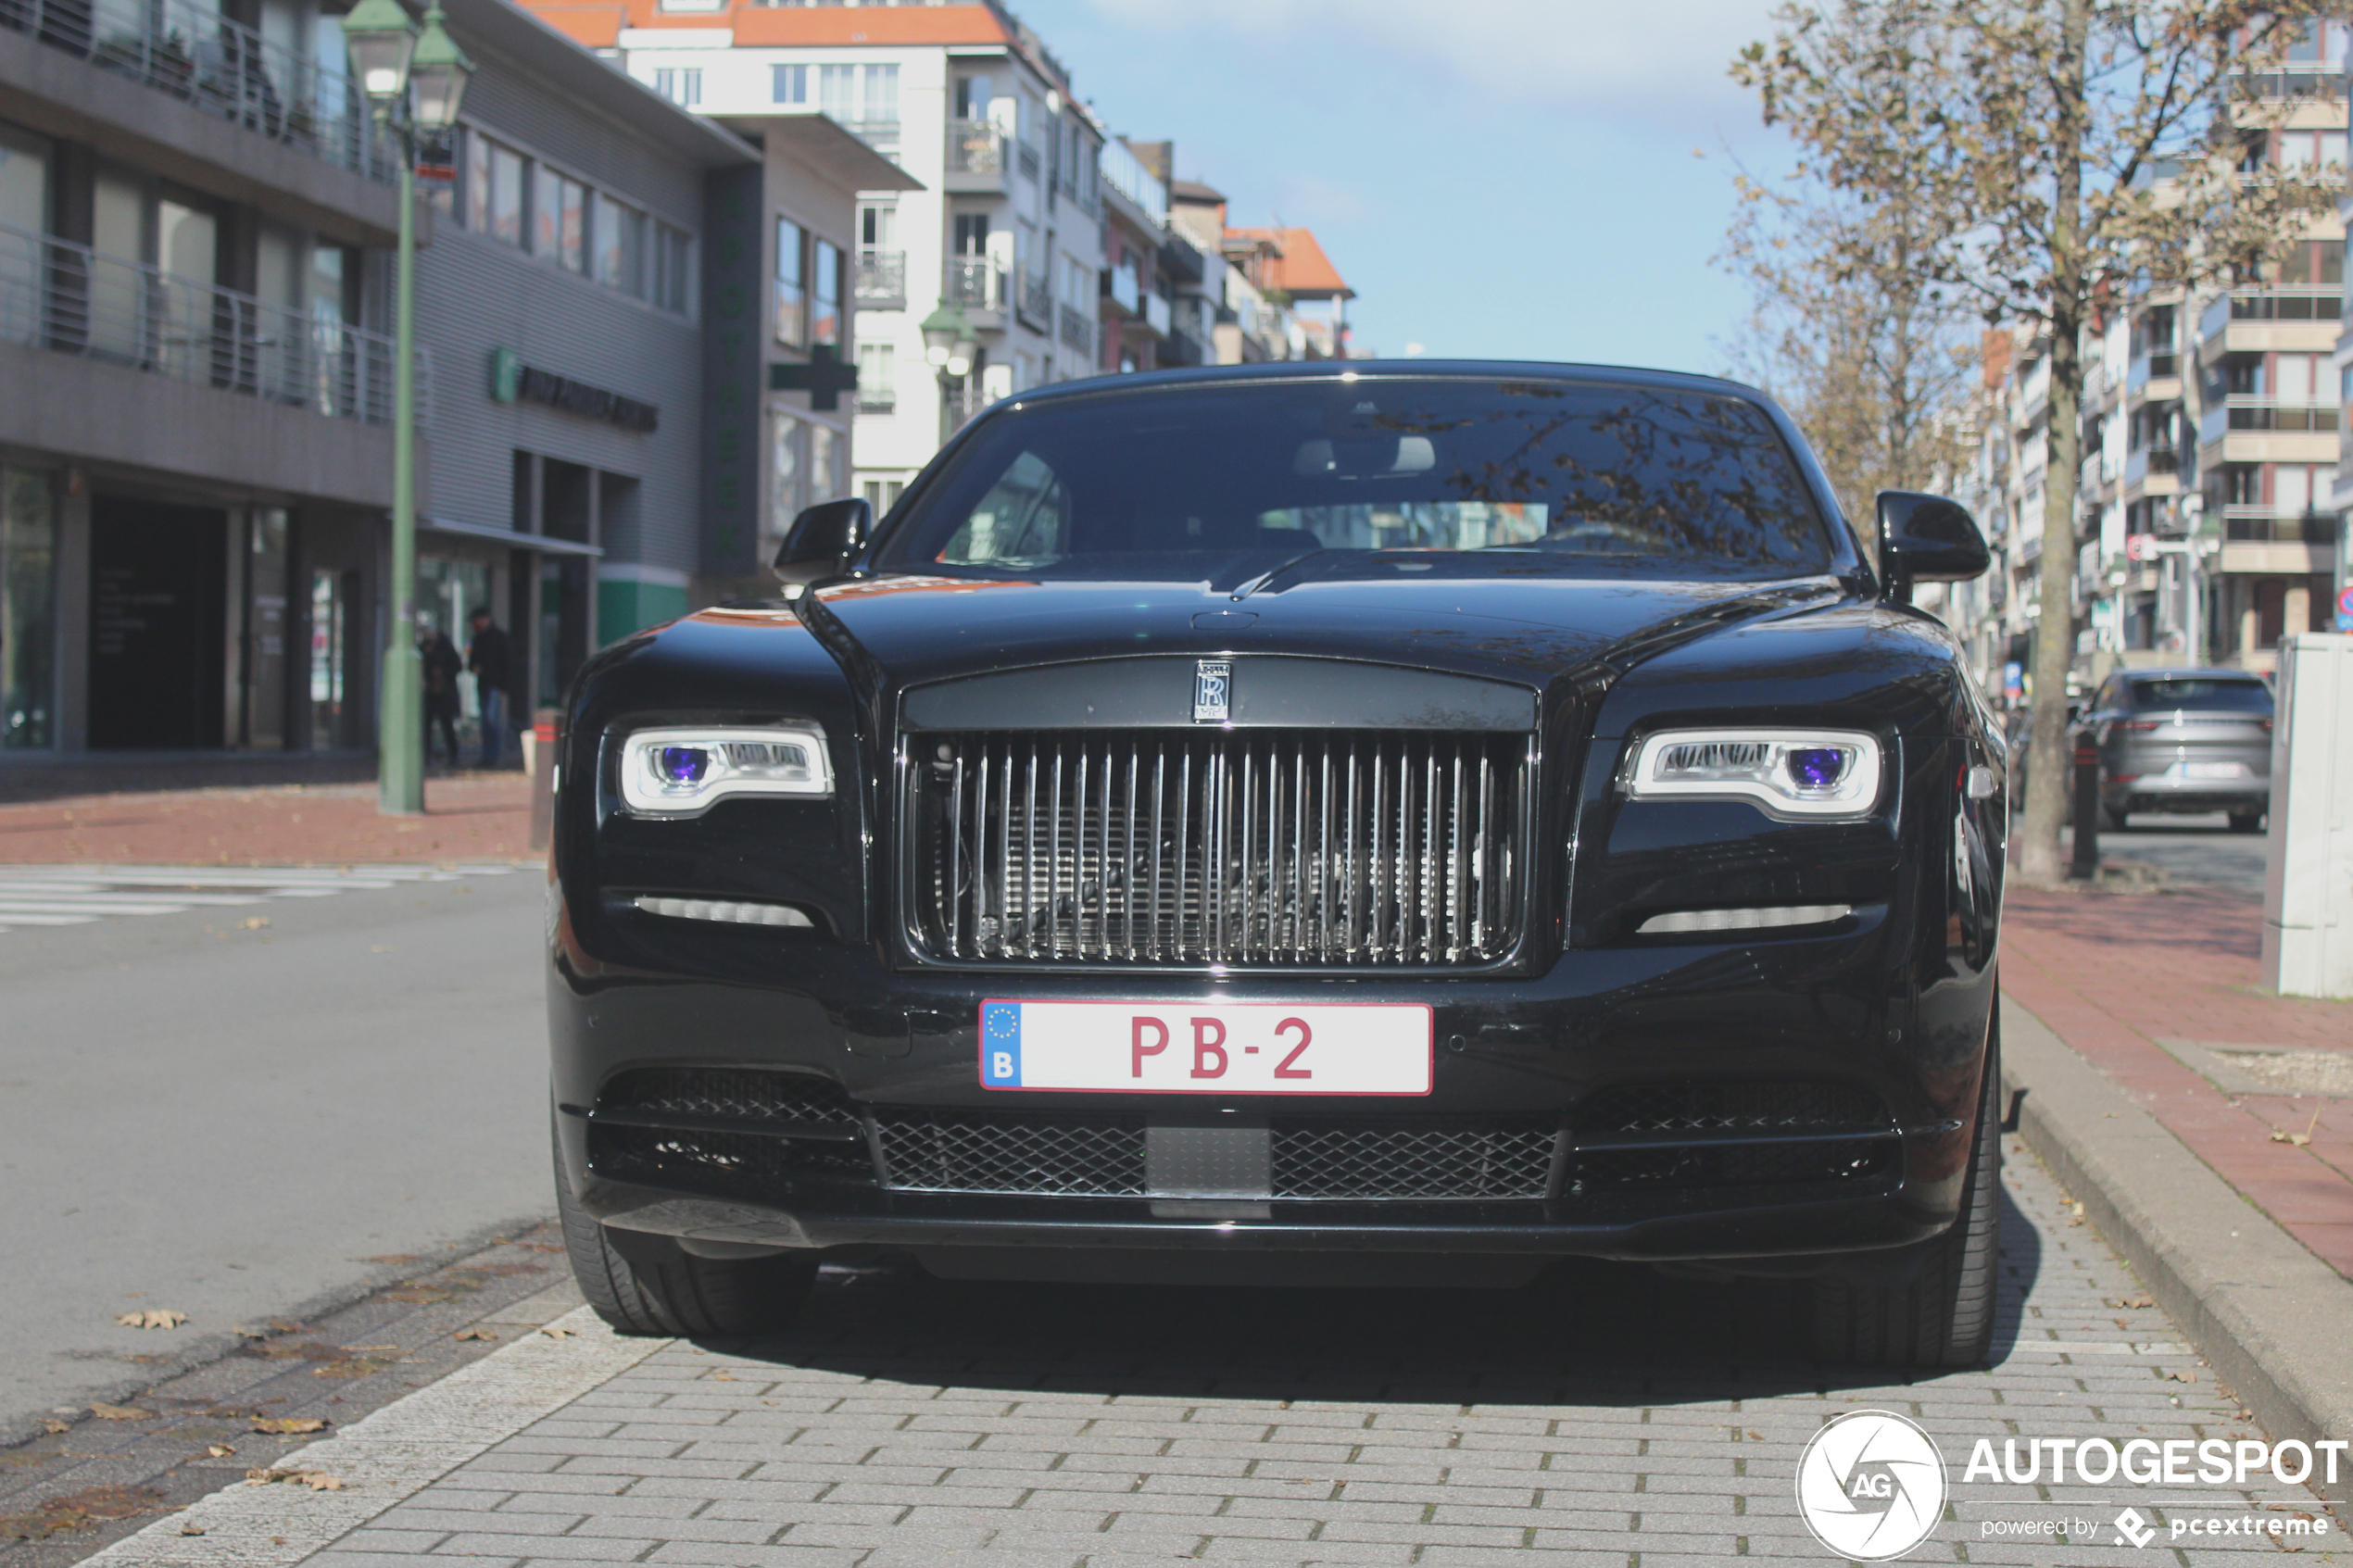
(2308, 892)
(543, 777)
(2086, 864)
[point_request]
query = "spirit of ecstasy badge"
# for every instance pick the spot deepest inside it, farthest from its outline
(1212, 691)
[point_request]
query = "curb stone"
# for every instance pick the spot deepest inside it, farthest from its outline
(391, 1455)
(2270, 1318)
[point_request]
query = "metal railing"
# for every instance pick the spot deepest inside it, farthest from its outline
(975, 280)
(220, 67)
(1077, 332)
(2264, 413)
(68, 298)
(975, 146)
(2263, 524)
(2272, 304)
(882, 279)
(1028, 160)
(1038, 303)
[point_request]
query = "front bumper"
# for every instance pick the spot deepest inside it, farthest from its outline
(1534, 1047)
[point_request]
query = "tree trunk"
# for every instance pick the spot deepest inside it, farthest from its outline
(2050, 755)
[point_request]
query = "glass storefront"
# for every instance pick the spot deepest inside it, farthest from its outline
(28, 608)
(448, 591)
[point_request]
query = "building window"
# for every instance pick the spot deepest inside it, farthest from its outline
(559, 219)
(24, 181)
(494, 190)
(28, 610)
(681, 84)
(877, 379)
(788, 470)
(673, 264)
(857, 94)
(824, 317)
(621, 246)
(788, 85)
(791, 280)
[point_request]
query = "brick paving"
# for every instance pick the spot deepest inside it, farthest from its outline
(1604, 1414)
(470, 817)
(2112, 973)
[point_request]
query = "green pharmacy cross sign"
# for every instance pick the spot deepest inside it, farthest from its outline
(825, 378)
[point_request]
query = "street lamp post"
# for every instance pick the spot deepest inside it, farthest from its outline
(413, 81)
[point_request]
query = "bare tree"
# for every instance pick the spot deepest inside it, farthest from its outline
(2050, 153)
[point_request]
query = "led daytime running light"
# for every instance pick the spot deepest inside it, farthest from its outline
(1804, 773)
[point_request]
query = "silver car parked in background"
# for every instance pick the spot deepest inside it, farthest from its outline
(2183, 741)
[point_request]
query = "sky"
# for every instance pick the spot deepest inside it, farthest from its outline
(1518, 179)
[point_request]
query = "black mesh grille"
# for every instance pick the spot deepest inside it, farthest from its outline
(950, 1151)
(1762, 1107)
(1734, 1165)
(1411, 1159)
(656, 1153)
(729, 1091)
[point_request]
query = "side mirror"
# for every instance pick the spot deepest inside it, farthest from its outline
(822, 540)
(1926, 539)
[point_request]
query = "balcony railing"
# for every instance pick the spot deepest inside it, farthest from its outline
(67, 297)
(2272, 304)
(975, 280)
(975, 146)
(2142, 461)
(1077, 332)
(2258, 413)
(882, 280)
(1038, 303)
(1028, 160)
(2157, 364)
(1156, 314)
(223, 67)
(1123, 292)
(2260, 524)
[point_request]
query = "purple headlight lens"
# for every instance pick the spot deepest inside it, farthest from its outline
(684, 764)
(1816, 767)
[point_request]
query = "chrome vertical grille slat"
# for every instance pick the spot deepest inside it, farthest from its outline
(1254, 848)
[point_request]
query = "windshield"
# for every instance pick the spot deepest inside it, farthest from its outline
(1239, 479)
(2232, 695)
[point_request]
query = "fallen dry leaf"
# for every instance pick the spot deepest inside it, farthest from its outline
(2182, 1376)
(474, 1334)
(192, 1529)
(553, 1332)
(122, 1413)
(221, 1450)
(54, 1427)
(77, 1509)
(254, 923)
(2296, 1139)
(286, 1425)
(154, 1317)
(317, 1480)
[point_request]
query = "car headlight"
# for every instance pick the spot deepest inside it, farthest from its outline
(1789, 773)
(680, 772)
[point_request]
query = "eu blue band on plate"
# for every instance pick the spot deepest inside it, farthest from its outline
(1001, 1045)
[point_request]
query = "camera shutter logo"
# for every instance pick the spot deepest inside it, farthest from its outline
(1870, 1486)
(1212, 691)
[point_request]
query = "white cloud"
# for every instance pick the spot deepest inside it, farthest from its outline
(1652, 60)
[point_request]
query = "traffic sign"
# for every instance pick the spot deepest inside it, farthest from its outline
(2345, 608)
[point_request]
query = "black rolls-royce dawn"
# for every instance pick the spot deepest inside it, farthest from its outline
(1343, 822)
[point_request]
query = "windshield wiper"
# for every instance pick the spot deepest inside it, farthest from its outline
(1260, 582)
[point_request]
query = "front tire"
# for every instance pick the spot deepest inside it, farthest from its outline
(659, 1287)
(1944, 1316)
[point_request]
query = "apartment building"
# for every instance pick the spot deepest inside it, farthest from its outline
(2212, 486)
(994, 227)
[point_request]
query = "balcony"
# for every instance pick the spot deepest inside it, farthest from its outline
(977, 283)
(68, 299)
(1077, 332)
(1179, 349)
(2270, 320)
(976, 160)
(1123, 293)
(2155, 469)
(2260, 524)
(882, 280)
(2261, 430)
(220, 68)
(2158, 367)
(1156, 315)
(1037, 303)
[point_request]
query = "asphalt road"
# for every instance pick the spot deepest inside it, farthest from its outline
(231, 1122)
(2201, 850)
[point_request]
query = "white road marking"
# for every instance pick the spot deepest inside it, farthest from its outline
(34, 895)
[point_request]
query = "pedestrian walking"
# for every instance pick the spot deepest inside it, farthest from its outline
(442, 668)
(487, 657)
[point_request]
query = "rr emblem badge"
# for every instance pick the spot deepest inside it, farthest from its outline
(1212, 691)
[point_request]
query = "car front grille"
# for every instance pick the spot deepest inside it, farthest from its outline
(1274, 848)
(744, 1129)
(1052, 1155)
(1652, 1137)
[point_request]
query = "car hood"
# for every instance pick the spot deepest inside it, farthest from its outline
(906, 629)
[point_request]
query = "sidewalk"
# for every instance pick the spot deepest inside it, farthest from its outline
(470, 817)
(2143, 986)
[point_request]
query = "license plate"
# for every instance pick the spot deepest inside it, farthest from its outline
(2214, 770)
(1206, 1048)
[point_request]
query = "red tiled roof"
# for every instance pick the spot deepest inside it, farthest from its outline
(816, 27)
(1301, 269)
(591, 27)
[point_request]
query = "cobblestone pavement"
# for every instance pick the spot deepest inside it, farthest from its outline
(1603, 1414)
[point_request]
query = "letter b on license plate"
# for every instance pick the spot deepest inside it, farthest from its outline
(1206, 1048)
